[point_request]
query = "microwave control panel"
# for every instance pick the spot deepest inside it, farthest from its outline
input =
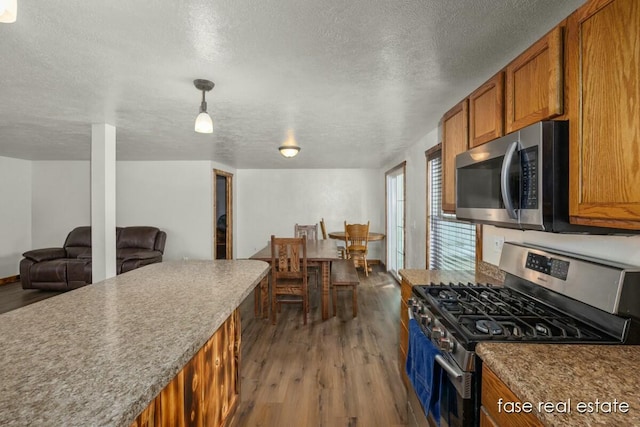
(529, 165)
(551, 266)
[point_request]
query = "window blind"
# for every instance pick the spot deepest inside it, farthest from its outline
(452, 243)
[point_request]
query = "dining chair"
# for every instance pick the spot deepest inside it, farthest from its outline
(289, 274)
(340, 246)
(357, 242)
(311, 232)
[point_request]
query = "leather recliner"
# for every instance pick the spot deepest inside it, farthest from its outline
(69, 267)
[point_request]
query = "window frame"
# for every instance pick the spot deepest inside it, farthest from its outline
(430, 154)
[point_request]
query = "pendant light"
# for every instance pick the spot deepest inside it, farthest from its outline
(289, 148)
(8, 11)
(204, 124)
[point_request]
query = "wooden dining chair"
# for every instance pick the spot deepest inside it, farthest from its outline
(340, 246)
(311, 232)
(289, 274)
(357, 242)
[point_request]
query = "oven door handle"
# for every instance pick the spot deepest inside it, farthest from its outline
(453, 372)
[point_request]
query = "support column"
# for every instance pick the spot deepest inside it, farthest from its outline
(103, 201)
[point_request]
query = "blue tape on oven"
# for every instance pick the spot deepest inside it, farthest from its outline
(423, 371)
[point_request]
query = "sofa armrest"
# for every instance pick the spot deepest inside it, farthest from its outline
(143, 254)
(47, 254)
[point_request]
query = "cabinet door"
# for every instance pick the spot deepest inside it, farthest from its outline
(455, 140)
(486, 111)
(534, 83)
(405, 294)
(603, 83)
(493, 391)
(486, 420)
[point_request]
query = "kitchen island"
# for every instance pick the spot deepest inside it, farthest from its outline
(102, 354)
(567, 385)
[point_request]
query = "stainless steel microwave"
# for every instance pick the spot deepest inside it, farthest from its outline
(520, 180)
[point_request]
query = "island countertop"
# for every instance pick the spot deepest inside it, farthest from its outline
(99, 354)
(567, 374)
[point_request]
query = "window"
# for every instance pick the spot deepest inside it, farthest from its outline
(451, 244)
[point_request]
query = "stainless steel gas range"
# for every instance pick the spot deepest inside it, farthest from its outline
(548, 297)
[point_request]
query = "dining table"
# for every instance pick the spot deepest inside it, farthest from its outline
(373, 237)
(340, 235)
(320, 253)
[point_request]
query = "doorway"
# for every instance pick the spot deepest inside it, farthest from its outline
(222, 215)
(395, 195)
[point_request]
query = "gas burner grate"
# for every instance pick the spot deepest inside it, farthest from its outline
(482, 312)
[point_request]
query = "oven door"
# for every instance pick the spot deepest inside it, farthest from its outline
(452, 401)
(455, 410)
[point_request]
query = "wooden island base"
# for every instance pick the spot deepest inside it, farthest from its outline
(206, 392)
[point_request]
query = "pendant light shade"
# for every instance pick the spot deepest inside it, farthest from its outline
(8, 11)
(288, 151)
(204, 124)
(289, 148)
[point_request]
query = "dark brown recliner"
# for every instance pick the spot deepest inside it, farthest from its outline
(69, 267)
(138, 246)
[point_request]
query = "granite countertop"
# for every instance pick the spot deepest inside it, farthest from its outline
(568, 374)
(99, 354)
(486, 273)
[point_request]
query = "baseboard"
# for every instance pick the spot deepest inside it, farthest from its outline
(10, 279)
(378, 263)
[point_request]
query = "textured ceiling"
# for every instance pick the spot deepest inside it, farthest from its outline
(357, 81)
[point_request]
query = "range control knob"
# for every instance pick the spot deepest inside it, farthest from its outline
(425, 319)
(446, 344)
(437, 333)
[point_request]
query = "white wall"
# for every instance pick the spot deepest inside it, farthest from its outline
(624, 249)
(272, 201)
(61, 200)
(15, 217)
(176, 196)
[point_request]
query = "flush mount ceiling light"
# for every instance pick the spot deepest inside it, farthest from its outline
(204, 124)
(289, 148)
(8, 11)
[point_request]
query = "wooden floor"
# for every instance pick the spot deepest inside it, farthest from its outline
(341, 372)
(12, 296)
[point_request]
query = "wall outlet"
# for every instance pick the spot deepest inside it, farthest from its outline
(498, 242)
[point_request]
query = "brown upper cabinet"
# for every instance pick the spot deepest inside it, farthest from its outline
(455, 140)
(533, 87)
(486, 111)
(603, 84)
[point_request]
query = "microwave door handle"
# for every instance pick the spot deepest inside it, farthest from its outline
(504, 180)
